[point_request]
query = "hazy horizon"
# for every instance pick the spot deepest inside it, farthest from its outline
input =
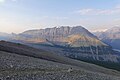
(20, 15)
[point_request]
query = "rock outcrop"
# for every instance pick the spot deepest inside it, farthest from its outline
(76, 42)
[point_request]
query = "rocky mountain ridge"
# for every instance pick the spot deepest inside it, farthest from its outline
(64, 35)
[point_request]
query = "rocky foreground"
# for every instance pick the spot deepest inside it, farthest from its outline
(18, 67)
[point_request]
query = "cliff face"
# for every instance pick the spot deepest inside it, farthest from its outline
(76, 42)
(66, 34)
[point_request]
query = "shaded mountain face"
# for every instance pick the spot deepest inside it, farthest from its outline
(110, 37)
(74, 42)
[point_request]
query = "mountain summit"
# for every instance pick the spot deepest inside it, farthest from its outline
(65, 36)
(73, 42)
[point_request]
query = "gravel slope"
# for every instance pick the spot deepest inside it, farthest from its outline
(18, 67)
(16, 48)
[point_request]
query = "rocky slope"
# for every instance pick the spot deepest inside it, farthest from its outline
(30, 68)
(18, 62)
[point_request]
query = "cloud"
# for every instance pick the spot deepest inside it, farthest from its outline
(59, 18)
(118, 6)
(91, 11)
(54, 17)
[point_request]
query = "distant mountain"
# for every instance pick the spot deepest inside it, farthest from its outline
(73, 42)
(110, 37)
(5, 36)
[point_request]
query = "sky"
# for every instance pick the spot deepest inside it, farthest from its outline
(95, 15)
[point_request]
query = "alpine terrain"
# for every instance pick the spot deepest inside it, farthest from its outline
(73, 42)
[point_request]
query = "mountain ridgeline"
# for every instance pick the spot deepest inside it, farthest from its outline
(73, 42)
(111, 37)
(53, 34)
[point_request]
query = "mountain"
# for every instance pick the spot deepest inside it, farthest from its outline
(20, 61)
(5, 36)
(53, 34)
(62, 36)
(110, 37)
(73, 42)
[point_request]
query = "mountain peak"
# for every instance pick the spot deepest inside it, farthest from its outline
(114, 29)
(61, 36)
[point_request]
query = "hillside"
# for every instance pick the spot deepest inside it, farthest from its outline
(15, 65)
(38, 69)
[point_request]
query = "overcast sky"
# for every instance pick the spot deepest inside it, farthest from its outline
(20, 15)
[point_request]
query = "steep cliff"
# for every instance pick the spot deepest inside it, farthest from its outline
(76, 42)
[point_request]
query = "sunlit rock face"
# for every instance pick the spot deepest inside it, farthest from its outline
(53, 34)
(76, 42)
